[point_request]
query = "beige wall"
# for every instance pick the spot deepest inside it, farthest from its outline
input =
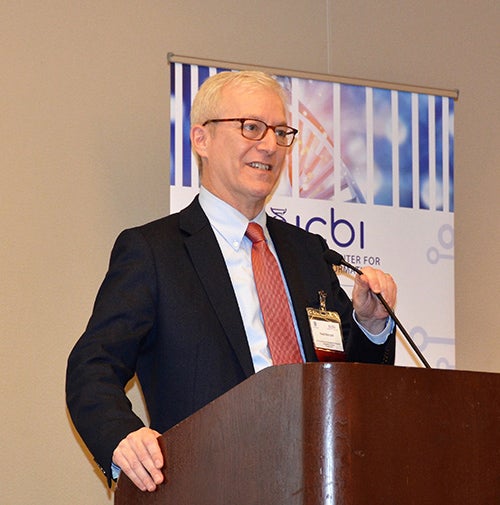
(84, 153)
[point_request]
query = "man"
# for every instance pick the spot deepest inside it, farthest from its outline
(179, 306)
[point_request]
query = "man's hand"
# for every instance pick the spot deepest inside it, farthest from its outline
(139, 456)
(369, 310)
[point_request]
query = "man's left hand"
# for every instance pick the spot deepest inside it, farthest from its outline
(370, 312)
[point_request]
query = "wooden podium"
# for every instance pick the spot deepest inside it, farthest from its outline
(338, 433)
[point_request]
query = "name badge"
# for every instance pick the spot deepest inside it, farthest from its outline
(326, 331)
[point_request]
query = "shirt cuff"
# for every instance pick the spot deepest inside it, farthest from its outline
(115, 471)
(380, 338)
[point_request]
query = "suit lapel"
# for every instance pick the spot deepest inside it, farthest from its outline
(209, 263)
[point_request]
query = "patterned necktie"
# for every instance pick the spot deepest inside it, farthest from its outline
(274, 304)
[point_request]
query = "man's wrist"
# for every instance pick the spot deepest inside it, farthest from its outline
(379, 337)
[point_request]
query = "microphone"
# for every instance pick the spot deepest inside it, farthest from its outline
(335, 258)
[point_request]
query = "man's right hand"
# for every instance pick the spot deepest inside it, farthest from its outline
(140, 457)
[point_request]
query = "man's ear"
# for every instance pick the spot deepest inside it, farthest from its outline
(199, 139)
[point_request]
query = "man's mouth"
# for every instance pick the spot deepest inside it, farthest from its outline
(260, 166)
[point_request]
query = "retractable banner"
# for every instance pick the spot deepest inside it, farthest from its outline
(372, 172)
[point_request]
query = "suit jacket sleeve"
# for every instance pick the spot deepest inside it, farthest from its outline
(103, 360)
(166, 311)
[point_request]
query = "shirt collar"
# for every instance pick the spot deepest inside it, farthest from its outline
(226, 220)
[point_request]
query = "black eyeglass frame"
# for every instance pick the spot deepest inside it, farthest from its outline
(290, 130)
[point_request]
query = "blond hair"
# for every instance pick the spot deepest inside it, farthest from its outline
(207, 101)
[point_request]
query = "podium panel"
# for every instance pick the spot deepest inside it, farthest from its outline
(337, 433)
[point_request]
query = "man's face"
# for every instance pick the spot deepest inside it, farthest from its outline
(240, 171)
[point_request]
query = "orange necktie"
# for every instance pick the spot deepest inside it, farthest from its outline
(274, 304)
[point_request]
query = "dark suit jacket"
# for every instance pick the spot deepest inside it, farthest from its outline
(167, 311)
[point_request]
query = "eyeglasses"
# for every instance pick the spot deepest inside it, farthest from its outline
(255, 129)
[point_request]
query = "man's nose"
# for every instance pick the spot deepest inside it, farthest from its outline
(268, 142)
